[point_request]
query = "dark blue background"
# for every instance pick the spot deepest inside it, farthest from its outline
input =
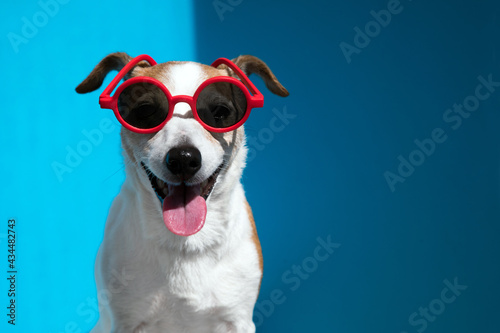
(321, 176)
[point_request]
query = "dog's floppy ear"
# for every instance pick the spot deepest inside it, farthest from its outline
(114, 61)
(250, 64)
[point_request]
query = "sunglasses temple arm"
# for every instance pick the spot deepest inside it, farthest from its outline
(257, 99)
(105, 99)
(246, 81)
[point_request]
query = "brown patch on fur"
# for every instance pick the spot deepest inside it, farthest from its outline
(255, 237)
(157, 72)
(212, 71)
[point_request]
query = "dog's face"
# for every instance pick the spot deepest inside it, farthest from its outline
(183, 160)
(184, 164)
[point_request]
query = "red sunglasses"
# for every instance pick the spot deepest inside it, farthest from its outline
(144, 105)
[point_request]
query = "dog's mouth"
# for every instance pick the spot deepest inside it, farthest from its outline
(184, 206)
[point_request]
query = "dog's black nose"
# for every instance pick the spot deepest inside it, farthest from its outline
(184, 161)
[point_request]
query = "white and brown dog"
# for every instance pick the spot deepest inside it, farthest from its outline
(207, 281)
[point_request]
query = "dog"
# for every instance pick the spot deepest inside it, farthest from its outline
(180, 251)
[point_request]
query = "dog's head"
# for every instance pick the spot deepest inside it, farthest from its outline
(183, 165)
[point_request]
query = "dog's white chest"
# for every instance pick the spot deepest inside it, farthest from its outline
(195, 298)
(167, 291)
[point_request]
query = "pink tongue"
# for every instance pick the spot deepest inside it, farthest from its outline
(184, 210)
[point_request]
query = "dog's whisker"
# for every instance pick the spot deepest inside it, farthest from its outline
(120, 169)
(114, 173)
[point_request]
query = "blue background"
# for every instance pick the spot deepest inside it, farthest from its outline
(321, 176)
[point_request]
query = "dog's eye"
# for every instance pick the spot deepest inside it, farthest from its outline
(145, 110)
(220, 112)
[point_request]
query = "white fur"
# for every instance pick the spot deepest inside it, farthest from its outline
(150, 280)
(185, 78)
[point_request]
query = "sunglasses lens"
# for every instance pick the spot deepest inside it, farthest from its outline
(221, 104)
(143, 105)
